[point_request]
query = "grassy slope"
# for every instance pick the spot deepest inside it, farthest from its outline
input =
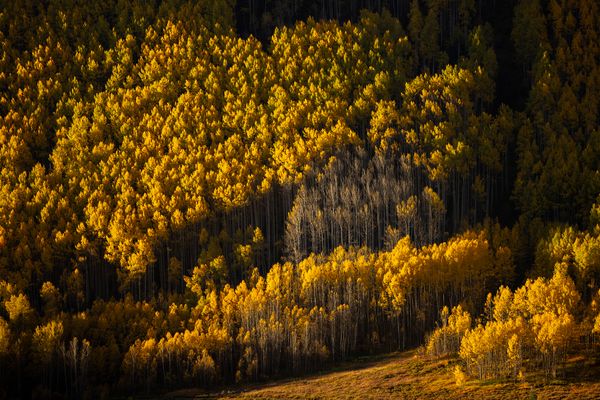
(410, 376)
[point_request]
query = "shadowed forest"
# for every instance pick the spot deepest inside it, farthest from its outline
(201, 194)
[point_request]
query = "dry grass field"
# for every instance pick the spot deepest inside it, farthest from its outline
(409, 375)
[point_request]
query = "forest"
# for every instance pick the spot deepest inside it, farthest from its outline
(217, 192)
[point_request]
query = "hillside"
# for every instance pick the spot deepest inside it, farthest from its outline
(409, 375)
(211, 193)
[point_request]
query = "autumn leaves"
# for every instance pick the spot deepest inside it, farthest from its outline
(322, 309)
(534, 326)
